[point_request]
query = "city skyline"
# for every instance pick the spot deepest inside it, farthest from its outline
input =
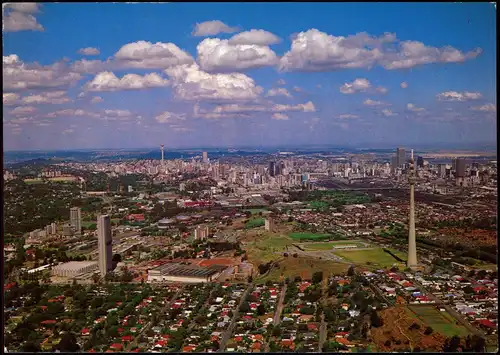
(244, 74)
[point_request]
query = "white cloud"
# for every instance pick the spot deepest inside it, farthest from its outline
(388, 113)
(71, 112)
(180, 129)
(280, 116)
(370, 102)
(107, 81)
(356, 86)
(255, 37)
(200, 113)
(216, 55)
(212, 28)
(17, 17)
(381, 90)
(277, 108)
(89, 51)
(192, 84)
(314, 50)
(21, 120)
(458, 96)
(68, 131)
(96, 100)
(347, 116)
(307, 107)
(412, 107)
(147, 55)
(404, 85)
(281, 82)
(485, 108)
(297, 89)
(10, 98)
(169, 117)
(85, 66)
(26, 110)
(279, 92)
(20, 76)
(54, 97)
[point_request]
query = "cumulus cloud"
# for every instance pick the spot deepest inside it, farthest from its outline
(85, 66)
(370, 102)
(10, 99)
(107, 81)
(71, 112)
(54, 97)
(279, 92)
(356, 86)
(89, 51)
(205, 114)
(347, 116)
(314, 50)
(281, 82)
(412, 107)
(458, 96)
(147, 55)
(20, 120)
(96, 100)
(216, 55)
(212, 28)
(190, 83)
(20, 110)
(169, 117)
(20, 76)
(18, 17)
(277, 108)
(388, 113)
(297, 89)
(255, 37)
(404, 85)
(381, 90)
(280, 116)
(486, 108)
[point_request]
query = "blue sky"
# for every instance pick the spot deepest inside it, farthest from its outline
(187, 75)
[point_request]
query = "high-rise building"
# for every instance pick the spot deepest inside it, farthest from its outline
(201, 233)
(401, 157)
(460, 168)
(412, 242)
(394, 163)
(269, 224)
(272, 168)
(162, 154)
(442, 170)
(420, 162)
(105, 244)
(205, 157)
(75, 214)
(53, 228)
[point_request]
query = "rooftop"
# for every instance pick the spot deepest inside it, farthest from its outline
(74, 265)
(176, 269)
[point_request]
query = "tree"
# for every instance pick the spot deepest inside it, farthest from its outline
(376, 321)
(428, 331)
(68, 343)
(30, 347)
(317, 277)
(117, 258)
(261, 310)
(350, 271)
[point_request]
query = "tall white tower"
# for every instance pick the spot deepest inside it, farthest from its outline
(162, 154)
(412, 242)
(105, 244)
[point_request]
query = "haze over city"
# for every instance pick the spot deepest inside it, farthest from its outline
(199, 75)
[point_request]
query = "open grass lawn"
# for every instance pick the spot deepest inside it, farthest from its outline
(317, 204)
(300, 236)
(264, 248)
(304, 267)
(33, 181)
(330, 245)
(86, 224)
(257, 222)
(256, 210)
(376, 256)
(441, 322)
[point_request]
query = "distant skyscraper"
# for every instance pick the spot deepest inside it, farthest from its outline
(205, 157)
(394, 163)
(460, 168)
(105, 244)
(272, 168)
(162, 154)
(75, 217)
(412, 242)
(401, 155)
(442, 170)
(420, 162)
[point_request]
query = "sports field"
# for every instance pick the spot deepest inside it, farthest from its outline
(441, 322)
(253, 223)
(331, 245)
(300, 236)
(33, 181)
(376, 256)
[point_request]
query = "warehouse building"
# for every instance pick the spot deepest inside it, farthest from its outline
(74, 268)
(176, 272)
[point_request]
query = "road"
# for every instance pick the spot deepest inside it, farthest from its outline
(279, 310)
(162, 312)
(230, 329)
(323, 328)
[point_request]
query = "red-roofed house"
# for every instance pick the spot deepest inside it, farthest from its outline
(188, 348)
(127, 338)
(116, 346)
(85, 331)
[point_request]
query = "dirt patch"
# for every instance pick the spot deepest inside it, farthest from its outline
(218, 261)
(396, 322)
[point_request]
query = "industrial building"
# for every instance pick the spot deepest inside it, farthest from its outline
(74, 268)
(176, 272)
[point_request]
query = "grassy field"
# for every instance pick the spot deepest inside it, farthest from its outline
(317, 204)
(253, 223)
(330, 245)
(256, 210)
(304, 267)
(264, 248)
(299, 236)
(33, 181)
(376, 256)
(441, 322)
